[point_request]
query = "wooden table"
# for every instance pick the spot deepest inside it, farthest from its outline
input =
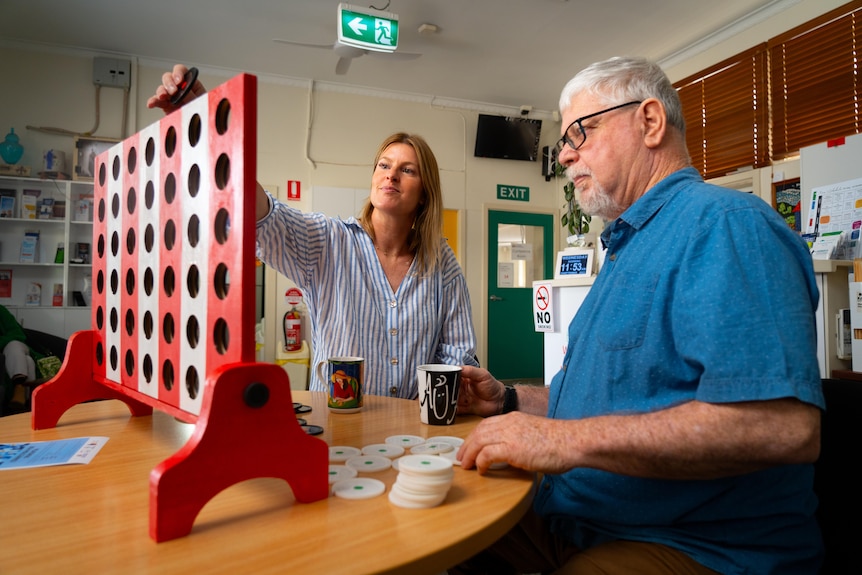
(94, 518)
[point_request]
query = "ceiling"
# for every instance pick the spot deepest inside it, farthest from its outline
(501, 52)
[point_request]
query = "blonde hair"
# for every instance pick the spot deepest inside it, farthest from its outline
(427, 236)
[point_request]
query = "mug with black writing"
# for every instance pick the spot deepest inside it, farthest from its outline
(438, 392)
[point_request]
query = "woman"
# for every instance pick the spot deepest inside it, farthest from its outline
(385, 286)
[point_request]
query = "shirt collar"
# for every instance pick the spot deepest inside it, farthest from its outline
(645, 207)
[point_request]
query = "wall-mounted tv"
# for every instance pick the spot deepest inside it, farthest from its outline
(507, 138)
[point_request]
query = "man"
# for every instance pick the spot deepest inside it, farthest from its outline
(678, 435)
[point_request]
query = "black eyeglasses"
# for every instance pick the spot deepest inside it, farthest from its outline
(575, 138)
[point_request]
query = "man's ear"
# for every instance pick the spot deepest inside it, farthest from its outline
(654, 121)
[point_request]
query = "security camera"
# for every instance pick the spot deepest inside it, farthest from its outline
(526, 110)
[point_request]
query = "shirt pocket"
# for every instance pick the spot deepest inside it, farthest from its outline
(627, 306)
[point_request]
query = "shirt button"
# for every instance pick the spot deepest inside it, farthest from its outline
(613, 257)
(393, 391)
(393, 331)
(393, 303)
(394, 361)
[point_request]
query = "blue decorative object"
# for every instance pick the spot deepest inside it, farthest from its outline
(10, 150)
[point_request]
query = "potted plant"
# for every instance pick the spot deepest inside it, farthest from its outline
(573, 220)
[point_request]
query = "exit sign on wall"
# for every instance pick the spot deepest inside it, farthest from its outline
(517, 193)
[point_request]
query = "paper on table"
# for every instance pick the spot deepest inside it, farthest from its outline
(80, 450)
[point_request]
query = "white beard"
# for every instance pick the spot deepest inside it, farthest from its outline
(596, 202)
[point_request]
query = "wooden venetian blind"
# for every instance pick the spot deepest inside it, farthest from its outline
(815, 92)
(726, 114)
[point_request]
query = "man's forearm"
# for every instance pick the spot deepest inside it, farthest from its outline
(698, 440)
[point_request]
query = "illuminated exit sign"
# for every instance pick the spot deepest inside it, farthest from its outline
(368, 29)
(517, 193)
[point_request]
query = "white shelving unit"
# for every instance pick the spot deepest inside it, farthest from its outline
(70, 226)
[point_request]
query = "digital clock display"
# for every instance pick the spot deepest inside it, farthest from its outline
(574, 265)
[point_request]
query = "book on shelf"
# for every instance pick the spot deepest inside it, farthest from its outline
(46, 209)
(82, 253)
(5, 283)
(57, 299)
(78, 298)
(7, 205)
(30, 204)
(34, 294)
(29, 248)
(83, 209)
(59, 210)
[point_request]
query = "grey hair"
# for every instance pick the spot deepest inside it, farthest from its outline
(623, 79)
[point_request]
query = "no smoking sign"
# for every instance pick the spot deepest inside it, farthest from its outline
(543, 306)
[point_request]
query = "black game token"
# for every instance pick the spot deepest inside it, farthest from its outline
(185, 86)
(301, 421)
(312, 429)
(301, 408)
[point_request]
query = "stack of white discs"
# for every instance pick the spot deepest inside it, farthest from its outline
(423, 481)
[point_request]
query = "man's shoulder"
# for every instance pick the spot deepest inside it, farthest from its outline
(694, 194)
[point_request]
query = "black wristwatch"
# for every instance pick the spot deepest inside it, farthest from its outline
(510, 400)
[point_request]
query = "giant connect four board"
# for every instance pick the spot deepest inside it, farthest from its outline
(173, 310)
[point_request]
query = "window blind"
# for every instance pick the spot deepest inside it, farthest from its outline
(726, 114)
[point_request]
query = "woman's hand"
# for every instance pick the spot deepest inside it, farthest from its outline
(170, 84)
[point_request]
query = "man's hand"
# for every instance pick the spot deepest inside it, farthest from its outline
(530, 442)
(480, 393)
(170, 85)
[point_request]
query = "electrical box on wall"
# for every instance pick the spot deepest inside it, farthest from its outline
(112, 72)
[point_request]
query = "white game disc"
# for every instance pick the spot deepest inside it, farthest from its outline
(368, 463)
(339, 472)
(432, 448)
(341, 453)
(405, 440)
(426, 465)
(358, 488)
(385, 449)
(451, 456)
(396, 497)
(455, 441)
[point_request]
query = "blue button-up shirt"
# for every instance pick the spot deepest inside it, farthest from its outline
(705, 294)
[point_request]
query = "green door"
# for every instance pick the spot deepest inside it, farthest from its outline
(520, 251)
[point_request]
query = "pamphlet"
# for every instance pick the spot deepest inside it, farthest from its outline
(46, 209)
(57, 299)
(34, 294)
(7, 205)
(29, 204)
(80, 450)
(29, 248)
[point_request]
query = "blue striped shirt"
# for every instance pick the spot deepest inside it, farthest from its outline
(353, 309)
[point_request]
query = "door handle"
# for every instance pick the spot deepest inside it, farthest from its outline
(496, 298)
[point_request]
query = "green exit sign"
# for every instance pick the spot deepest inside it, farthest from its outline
(517, 193)
(368, 29)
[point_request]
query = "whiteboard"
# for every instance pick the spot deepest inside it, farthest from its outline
(821, 165)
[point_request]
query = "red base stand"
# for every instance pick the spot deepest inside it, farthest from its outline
(75, 383)
(246, 429)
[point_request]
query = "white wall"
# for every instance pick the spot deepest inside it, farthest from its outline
(736, 39)
(333, 147)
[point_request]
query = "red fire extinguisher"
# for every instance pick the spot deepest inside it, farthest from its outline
(292, 331)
